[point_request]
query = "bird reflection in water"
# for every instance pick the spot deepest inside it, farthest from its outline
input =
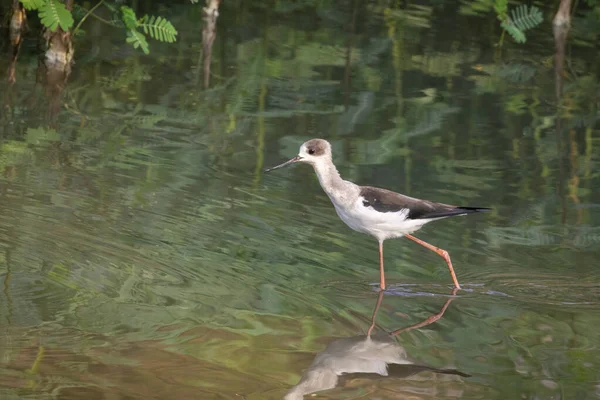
(368, 356)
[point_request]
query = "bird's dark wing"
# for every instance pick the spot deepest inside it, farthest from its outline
(383, 200)
(398, 371)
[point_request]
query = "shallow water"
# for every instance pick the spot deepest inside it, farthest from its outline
(144, 254)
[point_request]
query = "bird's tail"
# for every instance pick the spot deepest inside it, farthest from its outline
(455, 211)
(470, 210)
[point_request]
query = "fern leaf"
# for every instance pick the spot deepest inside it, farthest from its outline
(515, 32)
(526, 19)
(137, 39)
(158, 28)
(522, 19)
(129, 17)
(33, 4)
(54, 13)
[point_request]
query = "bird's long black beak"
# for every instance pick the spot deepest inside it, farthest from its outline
(293, 160)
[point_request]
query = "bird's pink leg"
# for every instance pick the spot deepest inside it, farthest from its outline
(381, 273)
(443, 253)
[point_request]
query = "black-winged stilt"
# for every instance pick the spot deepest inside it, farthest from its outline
(380, 213)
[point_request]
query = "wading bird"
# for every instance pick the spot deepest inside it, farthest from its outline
(380, 213)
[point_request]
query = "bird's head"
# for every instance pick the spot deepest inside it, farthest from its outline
(311, 152)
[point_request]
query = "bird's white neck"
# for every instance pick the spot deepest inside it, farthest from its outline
(338, 190)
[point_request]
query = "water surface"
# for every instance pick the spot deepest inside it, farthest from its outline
(143, 253)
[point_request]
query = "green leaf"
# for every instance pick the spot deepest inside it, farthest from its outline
(129, 17)
(33, 4)
(158, 28)
(501, 8)
(526, 19)
(137, 39)
(515, 32)
(54, 13)
(521, 20)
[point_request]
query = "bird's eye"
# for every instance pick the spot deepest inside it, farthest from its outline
(311, 151)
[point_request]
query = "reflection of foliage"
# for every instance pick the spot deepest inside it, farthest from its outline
(430, 119)
(14, 153)
(516, 104)
(40, 135)
(443, 63)
(479, 7)
(516, 72)
(494, 78)
(415, 15)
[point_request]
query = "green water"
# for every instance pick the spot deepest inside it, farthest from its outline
(144, 254)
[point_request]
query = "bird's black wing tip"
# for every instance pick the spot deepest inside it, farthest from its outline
(474, 209)
(449, 212)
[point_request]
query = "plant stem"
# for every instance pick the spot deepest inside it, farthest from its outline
(87, 15)
(107, 22)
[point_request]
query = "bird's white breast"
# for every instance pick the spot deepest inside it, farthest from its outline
(381, 225)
